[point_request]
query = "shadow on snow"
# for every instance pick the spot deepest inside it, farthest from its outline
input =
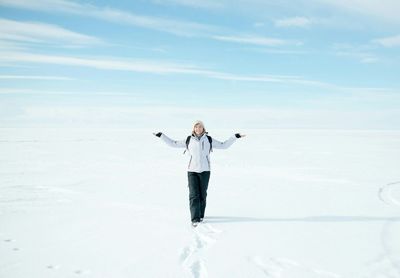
(321, 218)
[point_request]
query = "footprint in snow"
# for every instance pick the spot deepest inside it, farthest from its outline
(198, 269)
(204, 237)
(53, 267)
(82, 272)
(9, 240)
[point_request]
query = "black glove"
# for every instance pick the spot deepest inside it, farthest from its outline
(157, 134)
(238, 135)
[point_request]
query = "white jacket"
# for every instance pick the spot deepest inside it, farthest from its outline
(199, 150)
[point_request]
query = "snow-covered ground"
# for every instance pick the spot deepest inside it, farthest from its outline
(282, 203)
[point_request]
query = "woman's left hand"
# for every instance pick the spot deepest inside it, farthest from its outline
(238, 135)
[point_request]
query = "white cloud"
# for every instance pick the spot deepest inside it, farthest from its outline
(43, 5)
(282, 51)
(393, 41)
(177, 27)
(9, 45)
(157, 67)
(30, 91)
(363, 53)
(147, 66)
(293, 22)
(287, 79)
(363, 57)
(384, 10)
(35, 77)
(265, 41)
(101, 63)
(369, 60)
(204, 4)
(259, 24)
(34, 32)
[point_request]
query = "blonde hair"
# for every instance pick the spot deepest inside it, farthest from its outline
(198, 122)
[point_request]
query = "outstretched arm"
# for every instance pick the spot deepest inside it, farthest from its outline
(170, 142)
(226, 144)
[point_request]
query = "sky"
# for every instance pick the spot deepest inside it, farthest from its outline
(256, 64)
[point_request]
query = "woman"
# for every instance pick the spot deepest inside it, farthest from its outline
(199, 145)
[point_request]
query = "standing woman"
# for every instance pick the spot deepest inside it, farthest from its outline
(199, 146)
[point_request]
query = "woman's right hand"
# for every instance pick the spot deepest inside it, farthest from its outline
(157, 134)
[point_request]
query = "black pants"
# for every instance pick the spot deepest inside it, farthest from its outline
(198, 184)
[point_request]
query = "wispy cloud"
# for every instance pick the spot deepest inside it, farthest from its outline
(393, 41)
(284, 51)
(385, 10)
(258, 24)
(10, 45)
(156, 67)
(36, 77)
(204, 4)
(256, 40)
(286, 79)
(293, 22)
(29, 91)
(35, 32)
(177, 27)
(362, 53)
(43, 5)
(366, 58)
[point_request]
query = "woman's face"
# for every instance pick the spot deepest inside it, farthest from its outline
(198, 129)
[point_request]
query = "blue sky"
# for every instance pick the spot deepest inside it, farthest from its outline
(276, 58)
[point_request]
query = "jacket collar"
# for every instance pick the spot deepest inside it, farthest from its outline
(198, 137)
